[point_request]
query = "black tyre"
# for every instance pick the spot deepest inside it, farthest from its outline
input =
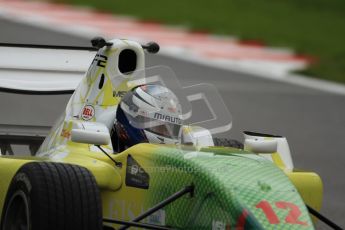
(52, 196)
(227, 143)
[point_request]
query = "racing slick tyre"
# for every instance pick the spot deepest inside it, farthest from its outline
(227, 143)
(52, 196)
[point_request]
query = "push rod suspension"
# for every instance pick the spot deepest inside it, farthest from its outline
(323, 218)
(136, 224)
(172, 198)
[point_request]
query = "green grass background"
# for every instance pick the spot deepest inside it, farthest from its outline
(310, 27)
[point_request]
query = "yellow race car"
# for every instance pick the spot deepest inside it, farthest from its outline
(77, 180)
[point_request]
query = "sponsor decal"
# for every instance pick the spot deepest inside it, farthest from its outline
(100, 60)
(167, 118)
(136, 175)
(157, 218)
(119, 93)
(88, 112)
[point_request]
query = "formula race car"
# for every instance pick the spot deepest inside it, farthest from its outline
(89, 175)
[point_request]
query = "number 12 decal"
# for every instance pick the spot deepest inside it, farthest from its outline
(291, 218)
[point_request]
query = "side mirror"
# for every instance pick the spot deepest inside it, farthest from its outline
(254, 142)
(90, 137)
(261, 146)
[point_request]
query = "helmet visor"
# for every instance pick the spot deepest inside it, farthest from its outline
(166, 130)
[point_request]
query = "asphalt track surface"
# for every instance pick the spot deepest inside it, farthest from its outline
(313, 121)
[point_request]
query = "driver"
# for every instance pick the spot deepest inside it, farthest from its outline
(148, 113)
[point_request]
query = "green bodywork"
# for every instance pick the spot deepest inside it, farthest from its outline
(228, 185)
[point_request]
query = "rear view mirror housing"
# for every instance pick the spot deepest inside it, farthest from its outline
(93, 133)
(268, 144)
(90, 137)
(261, 146)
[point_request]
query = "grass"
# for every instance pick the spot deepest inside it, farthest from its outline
(311, 27)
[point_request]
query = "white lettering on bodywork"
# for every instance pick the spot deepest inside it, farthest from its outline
(218, 225)
(157, 218)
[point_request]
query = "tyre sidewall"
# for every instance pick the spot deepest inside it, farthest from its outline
(20, 184)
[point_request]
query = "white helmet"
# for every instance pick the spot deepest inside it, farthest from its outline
(147, 113)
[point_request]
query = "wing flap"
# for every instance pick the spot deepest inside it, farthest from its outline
(39, 82)
(42, 70)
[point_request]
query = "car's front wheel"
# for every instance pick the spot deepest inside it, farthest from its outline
(54, 196)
